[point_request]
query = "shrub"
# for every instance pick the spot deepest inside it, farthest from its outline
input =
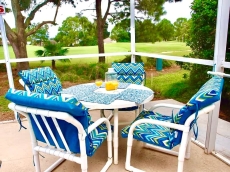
(127, 59)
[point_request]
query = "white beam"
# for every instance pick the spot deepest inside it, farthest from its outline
(132, 29)
(6, 52)
(177, 58)
(219, 58)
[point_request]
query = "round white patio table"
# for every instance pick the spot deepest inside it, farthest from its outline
(115, 105)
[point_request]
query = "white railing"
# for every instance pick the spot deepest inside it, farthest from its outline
(149, 55)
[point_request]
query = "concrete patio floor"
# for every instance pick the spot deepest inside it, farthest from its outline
(16, 153)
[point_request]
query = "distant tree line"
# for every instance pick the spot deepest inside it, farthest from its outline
(148, 31)
(79, 31)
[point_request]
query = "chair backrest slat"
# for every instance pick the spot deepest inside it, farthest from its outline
(50, 131)
(61, 135)
(41, 130)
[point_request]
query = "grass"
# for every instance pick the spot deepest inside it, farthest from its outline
(171, 85)
(170, 48)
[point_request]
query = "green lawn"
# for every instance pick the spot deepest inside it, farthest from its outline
(171, 47)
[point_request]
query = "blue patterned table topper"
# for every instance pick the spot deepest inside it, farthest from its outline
(135, 95)
(101, 98)
(80, 91)
(86, 92)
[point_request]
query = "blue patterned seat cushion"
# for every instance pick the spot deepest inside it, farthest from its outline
(63, 104)
(130, 72)
(208, 94)
(149, 133)
(41, 80)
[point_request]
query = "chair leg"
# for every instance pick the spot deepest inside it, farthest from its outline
(137, 112)
(36, 161)
(187, 154)
(109, 147)
(182, 151)
(84, 163)
(55, 165)
(128, 156)
(115, 136)
(102, 113)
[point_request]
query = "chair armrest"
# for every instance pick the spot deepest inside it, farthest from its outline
(157, 122)
(165, 105)
(219, 74)
(99, 122)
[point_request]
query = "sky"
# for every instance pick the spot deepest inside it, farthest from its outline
(174, 11)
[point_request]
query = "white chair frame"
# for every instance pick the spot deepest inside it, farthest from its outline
(56, 150)
(184, 150)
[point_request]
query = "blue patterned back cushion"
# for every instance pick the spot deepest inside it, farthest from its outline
(41, 80)
(208, 94)
(130, 72)
(55, 103)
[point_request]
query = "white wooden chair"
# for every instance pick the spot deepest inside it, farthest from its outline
(162, 133)
(64, 125)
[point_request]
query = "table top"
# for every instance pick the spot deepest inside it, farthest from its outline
(121, 96)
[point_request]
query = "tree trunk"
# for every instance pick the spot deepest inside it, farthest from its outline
(19, 48)
(53, 64)
(100, 35)
(18, 37)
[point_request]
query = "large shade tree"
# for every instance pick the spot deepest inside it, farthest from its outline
(24, 12)
(151, 8)
(77, 30)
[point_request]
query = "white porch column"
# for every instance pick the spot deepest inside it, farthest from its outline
(219, 57)
(6, 52)
(132, 29)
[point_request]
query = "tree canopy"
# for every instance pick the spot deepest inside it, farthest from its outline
(181, 27)
(24, 12)
(77, 30)
(202, 40)
(41, 35)
(165, 29)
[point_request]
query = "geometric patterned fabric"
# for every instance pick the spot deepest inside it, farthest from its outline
(63, 104)
(98, 136)
(133, 73)
(150, 133)
(41, 80)
(208, 94)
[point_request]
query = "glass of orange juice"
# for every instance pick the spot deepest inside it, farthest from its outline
(115, 84)
(98, 82)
